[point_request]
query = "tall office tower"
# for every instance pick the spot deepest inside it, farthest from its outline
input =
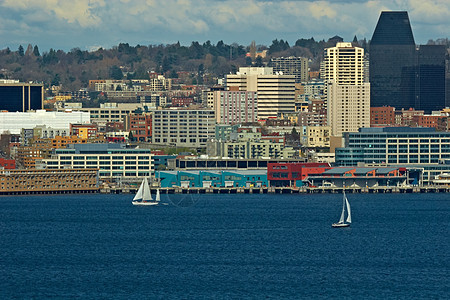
(430, 84)
(275, 92)
(292, 65)
(18, 96)
(392, 61)
(348, 95)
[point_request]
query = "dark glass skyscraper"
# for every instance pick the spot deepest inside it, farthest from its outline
(402, 75)
(392, 61)
(15, 96)
(430, 85)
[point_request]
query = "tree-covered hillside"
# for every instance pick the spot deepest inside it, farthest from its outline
(75, 68)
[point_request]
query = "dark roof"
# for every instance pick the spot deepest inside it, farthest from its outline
(393, 28)
(363, 171)
(385, 170)
(337, 171)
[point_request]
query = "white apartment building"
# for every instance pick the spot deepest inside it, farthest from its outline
(276, 92)
(348, 94)
(110, 112)
(112, 160)
(183, 127)
(13, 122)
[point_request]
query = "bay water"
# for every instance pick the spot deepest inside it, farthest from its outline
(225, 247)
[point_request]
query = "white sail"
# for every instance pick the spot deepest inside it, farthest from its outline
(349, 217)
(158, 197)
(146, 195)
(341, 220)
(139, 193)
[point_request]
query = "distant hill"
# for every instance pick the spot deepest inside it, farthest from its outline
(75, 68)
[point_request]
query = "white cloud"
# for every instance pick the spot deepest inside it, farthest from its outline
(104, 22)
(77, 11)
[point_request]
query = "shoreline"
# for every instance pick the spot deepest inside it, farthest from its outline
(239, 190)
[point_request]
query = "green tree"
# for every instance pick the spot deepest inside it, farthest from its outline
(173, 74)
(20, 51)
(56, 79)
(115, 72)
(36, 51)
(259, 62)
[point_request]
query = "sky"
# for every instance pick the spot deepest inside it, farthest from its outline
(90, 24)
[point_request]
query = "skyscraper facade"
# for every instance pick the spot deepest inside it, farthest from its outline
(16, 96)
(392, 61)
(403, 75)
(430, 84)
(348, 95)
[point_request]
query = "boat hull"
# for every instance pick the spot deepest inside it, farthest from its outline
(338, 225)
(144, 203)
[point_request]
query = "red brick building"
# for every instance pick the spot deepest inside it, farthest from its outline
(429, 121)
(382, 116)
(140, 126)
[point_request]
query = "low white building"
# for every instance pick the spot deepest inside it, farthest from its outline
(13, 122)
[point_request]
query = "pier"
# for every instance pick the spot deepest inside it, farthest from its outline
(283, 190)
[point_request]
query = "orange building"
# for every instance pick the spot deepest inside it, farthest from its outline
(60, 142)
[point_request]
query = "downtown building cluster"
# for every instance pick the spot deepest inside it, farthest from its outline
(361, 109)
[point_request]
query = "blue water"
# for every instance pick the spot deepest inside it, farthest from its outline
(225, 247)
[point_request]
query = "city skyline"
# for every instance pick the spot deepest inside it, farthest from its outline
(98, 23)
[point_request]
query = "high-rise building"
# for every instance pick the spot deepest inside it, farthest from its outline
(297, 66)
(401, 75)
(348, 95)
(16, 96)
(276, 92)
(392, 61)
(430, 84)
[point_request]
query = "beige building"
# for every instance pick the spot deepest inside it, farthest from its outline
(318, 136)
(297, 66)
(348, 93)
(276, 92)
(110, 112)
(249, 149)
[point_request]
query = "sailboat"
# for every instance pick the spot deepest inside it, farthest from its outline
(143, 195)
(158, 196)
(342, 223)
